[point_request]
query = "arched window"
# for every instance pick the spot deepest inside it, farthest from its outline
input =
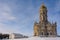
(35, 34)
(47, 33)
(50, 33)
(42, 33)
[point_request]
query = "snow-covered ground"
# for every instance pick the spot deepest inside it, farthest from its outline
(38, 38)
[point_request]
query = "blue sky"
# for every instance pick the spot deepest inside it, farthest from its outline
(18, 16)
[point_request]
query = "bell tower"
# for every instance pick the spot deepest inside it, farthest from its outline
(43, 20)
(43, 14)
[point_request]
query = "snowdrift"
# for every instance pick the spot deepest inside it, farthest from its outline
(38, 38)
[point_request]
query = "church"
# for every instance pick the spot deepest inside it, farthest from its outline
(44, 28)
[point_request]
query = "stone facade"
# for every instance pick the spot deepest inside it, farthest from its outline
(44, 28)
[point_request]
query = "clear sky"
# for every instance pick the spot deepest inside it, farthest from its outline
(18, 16)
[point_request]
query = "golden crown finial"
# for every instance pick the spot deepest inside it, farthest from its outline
(43, 5)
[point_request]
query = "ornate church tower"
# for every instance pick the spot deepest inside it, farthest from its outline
(43, 14)
(44, 27)
(43, 20)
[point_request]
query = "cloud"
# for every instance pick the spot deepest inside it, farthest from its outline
(57, 6)
(5, 12)
(5, 16)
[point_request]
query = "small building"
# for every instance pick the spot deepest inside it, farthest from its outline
(16, 36)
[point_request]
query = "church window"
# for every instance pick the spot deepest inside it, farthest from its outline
(41, 33)
(47, 33)
(50, 33)
(35, 34)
